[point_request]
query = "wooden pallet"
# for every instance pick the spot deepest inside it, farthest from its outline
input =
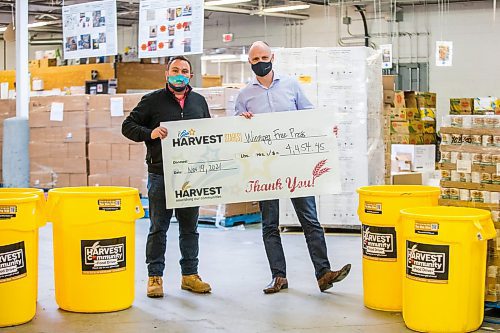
(231, 221)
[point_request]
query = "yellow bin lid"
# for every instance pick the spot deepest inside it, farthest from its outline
(447, 213)
(399, 190)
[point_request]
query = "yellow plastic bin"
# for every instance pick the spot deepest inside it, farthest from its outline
(446, 248)
(94, 246)
(18, 257)
(378, 211)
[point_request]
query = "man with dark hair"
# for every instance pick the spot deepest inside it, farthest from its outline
(270, 92)
(175, 102)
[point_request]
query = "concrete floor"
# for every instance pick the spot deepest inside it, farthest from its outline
(233, 261)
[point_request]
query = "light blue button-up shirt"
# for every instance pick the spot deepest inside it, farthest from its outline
(284, 94)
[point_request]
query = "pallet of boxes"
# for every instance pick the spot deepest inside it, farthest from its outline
(113, 159)
(470, 168)
(58, 141)
(221, 102)
(410, 127)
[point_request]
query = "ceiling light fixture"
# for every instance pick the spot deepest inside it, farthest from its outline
(285, 8)
(36, 24)
(224, 2)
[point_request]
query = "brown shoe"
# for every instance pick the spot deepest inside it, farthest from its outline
(276, 285)
(329, 278)
(155, 287)
(194, 283)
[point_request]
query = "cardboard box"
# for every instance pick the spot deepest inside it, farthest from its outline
(120, 180)
(107, 135)
(120, 151)
(98, 167)
(140, 183)
(57, 150)
(59, 165)
(43, 63)
(389, 82)
(407, 179)
(425, 99)
(428, 114)
(129, 168)
(71, 103)
(137, 152)
(233, 209)
(99, 119)
(394, 98)
(429, 127)
(430, 138)
(407, 127)
(99, 151)
(482, 104)
(421, 157)
(411, 99)
(76, 119)
(99, 180)
(461, 106)
(78, 179)
(404, 114)
(411, 139)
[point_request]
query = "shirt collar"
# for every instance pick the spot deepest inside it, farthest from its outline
(276, 77)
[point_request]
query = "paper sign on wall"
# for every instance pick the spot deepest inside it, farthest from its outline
(386, 50)
(89, 29)
(170, 28)
(116, 106)
(444, 53)
(56, 111)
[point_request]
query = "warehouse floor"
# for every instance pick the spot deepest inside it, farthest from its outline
(234, 263)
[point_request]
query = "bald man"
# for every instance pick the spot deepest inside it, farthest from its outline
(269, 92)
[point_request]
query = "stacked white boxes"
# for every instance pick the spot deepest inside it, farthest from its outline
(347, 81)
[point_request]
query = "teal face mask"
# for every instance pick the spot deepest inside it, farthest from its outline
(178, 82)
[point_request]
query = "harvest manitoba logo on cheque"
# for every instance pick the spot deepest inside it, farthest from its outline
(189, 138)
(187, 193)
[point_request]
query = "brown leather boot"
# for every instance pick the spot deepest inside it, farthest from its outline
(155, 287)
(329, 278)
(276, 285)
(195, 284)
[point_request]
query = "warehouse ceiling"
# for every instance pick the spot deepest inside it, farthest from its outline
(128, 10)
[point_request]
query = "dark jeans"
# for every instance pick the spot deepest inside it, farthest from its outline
(160, 221)
(305, 207)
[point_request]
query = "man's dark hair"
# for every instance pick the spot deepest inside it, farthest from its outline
(183, 58)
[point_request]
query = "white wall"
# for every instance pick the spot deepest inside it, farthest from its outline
(475, 36)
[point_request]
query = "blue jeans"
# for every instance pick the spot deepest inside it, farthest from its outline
(305, 207)
(160, 216)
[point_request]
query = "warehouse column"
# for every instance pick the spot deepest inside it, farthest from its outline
(15, 162)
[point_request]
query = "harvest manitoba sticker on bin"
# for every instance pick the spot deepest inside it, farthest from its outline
(373, 207)
(12, 262)
(7, 212)
(427, 262)
(426, 228)
(104, 255)
(109, 205)
(379, 243)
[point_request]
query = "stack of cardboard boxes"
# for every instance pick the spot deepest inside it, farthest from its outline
(58, 142)
(7, 110)
(410, 131)
(221, 100)
(113, 159)
(470, 156)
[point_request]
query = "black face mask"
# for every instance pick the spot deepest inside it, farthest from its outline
(262, 68)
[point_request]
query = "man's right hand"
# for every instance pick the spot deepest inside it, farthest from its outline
(159, 132)
(247, 114)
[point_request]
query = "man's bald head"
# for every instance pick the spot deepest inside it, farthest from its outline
(259, 51)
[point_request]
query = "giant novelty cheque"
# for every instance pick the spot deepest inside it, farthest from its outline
(234, 159)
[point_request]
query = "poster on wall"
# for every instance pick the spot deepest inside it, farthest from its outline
(170, 28)
(386, 50)
(89, 29)
(444, 53)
